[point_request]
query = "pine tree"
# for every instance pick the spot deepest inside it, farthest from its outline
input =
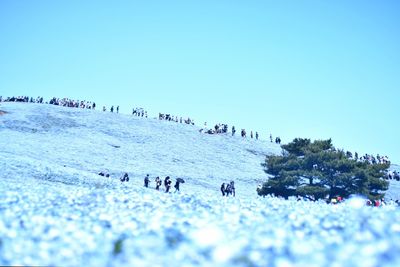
(318, 170)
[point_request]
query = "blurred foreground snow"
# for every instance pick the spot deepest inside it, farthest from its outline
(56, 210)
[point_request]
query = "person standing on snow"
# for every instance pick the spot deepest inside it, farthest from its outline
(146, 181)
(223, 189)
(158, 183)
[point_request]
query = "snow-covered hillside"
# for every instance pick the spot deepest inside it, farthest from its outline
(56, 210)
(74, 145)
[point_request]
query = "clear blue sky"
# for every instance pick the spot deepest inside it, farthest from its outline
(316, 69)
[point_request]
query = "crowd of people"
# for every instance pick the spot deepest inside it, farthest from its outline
(169, 117)
(227, 189)
(139, 112)
(167, 183)
(25, 99)
(66, 102)
(146, 181)
(374, 160)
(368, 158)
(220, 128)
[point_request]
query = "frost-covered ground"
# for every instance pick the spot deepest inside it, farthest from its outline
(56, 210)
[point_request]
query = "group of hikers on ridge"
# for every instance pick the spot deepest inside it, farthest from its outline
(219, 128)
(169, 117)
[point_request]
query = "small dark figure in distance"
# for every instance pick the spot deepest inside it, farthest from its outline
(223, 189)
(232, 188)
(178, 182)
(257, 135)
(112, 109)
(233, 130)
(228, 189)
(104, 174)
(125, 178)
(167, 184)
(158, 183)
(176, 186)
(146, 181)
(117, 109)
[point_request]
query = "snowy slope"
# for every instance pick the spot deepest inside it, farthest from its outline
(46, 138)
(56, 210)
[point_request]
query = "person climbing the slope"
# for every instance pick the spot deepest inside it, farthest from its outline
(158, 183)
(223, 189)
(232, 184)
(177, 183)
(146, 181)
(167, 184)
(176, 186)
(228, 189)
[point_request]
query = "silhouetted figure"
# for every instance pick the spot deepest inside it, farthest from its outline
(105, 174)
(117, 109)
(178, 182)
(112, 109)
(146, 181)
(228, 189)
(257, 135)
(125, 178)
(232, 185)
(158, 183)
(167, 184)
(223, 189)
(176, 186)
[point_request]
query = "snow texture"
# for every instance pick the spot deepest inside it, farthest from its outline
(56, 210)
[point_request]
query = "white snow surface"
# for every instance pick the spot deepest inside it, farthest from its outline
(56, 210)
